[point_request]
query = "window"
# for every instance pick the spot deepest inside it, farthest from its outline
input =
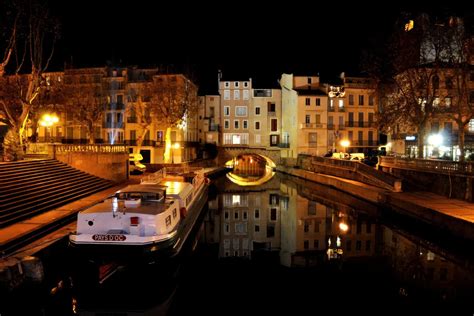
(240, 111)
(133, 135)
(226, 111)
(341, 104)
(226, 124)
(236, 94)
(361, 100)
(257, 110)
(236, 124)
(351, 99)
(257, 228)
(274, 140)
(309, 80)
(308, 101)
(436, 102)
(316, 244)
(236, 84)
(318, 101)
(306, 244)
(371, 100)
(271, 107)
(256, 213)
(274, 199)
(226, 84)
(448, 128)
(447, 102)
(246, 84)
(318, 119)
(371, 119)
(258, 139)
(120, 99)
(313, 139)
(274, 125)
(159, 136)
(257, 125)
(226, 94)
(246, 94)
(245, 124)
(307, 119)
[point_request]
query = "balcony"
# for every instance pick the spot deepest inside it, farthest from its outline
(361, 124)
(311, 125)
(369, 143)
(213, 127)
(112, 125)
(284, 145)
(115, 107)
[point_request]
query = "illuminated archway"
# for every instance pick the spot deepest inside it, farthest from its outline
(266, 165)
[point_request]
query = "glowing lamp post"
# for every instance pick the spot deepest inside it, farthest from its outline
(345, 143)
(435, 141)
(175, 146)
(48, 120)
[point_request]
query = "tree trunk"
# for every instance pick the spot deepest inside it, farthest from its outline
(12, 148)
(421, 142)
(140, 140)
(461, 136)
(91, 131)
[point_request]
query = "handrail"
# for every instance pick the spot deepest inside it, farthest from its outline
(438, 166)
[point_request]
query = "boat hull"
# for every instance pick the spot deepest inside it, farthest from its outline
(143, 247)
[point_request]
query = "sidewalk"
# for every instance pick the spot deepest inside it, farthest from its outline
(30, 226)
(454, 215)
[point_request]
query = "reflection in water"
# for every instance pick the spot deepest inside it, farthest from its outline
(284, 244)
(250, 170)
(300, 224)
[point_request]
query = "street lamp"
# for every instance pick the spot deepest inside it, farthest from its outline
(48, 120)
(175, 146)
(345, 143)
(435, 140)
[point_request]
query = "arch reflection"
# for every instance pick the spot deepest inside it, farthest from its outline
(250, 170)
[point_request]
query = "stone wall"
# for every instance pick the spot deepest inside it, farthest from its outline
(104, 161)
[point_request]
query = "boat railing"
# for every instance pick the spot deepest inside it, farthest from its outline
(154, 178)
(160, 175)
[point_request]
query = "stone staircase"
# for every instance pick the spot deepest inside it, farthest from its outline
(31, 187)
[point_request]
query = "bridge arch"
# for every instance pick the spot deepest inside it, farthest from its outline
(272, 156)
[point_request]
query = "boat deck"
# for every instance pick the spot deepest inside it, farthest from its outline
(143, 207)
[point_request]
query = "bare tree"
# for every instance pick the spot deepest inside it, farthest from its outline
(85, 98)
(32, 31)
(458, 101)
(174, 97)
(419, 56)
(139, 110)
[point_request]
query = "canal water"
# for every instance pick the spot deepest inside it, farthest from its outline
(285, 245)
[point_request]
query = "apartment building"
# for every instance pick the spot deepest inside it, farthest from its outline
(360, 108)
(124, 96)
(249, 117)
(209, 119)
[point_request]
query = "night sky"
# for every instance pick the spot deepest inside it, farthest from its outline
(242, 39)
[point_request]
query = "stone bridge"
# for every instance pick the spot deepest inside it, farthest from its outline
(226, 153)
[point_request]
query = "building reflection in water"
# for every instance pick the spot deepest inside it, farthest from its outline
(302, 224)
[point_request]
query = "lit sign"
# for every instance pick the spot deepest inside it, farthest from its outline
(410, 137)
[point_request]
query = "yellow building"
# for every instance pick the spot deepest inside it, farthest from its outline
(359, 119)
(124, 95)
